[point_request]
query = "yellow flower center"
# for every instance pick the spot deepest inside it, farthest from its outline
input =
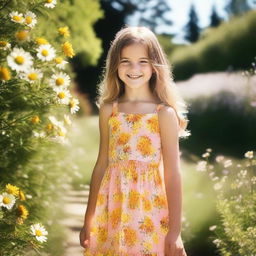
(19, 60)
(32, 76)
(28, 20)
(61, 133)
(68, 49)
(41, 40)
(58, 60)
(48, 1)
(59, 81)
(3, 43)
(22, 35)
(16, 18)
(38, 233)
(61, 95)
(45, 52)
(49, 127)
(71, 103)
(35, 119)
(6, 200)
(4, 74)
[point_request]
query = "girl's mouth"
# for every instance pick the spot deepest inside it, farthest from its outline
(134, 76)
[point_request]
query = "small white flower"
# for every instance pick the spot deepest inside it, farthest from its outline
(253, 180)
(60, 63)
(50, 3)
(207, 154)
(30, 19)
(39, 232)
(7, 200)
(4, 45)
(60, 80)
(31, 75)
(16, 17)
(39, 134)
(208, 150)
(249, 154)
(201, 166)
(73, 104)
(217, 242)
(227, 163)
(217, 186)
(219, 158)
(211, 228)
(63, 95)
(67, 120)
(19, 60)
(45, 52)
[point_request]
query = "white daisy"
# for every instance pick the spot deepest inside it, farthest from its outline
(60, 80)
(19, 60)
(30, 19)
(54, 121)
(7, 200)
(73, 104)
(31, 75)
(61, 135)
(67, 120)
(60, 63)
(39, 232)
(45, 52)
(50, 3)
(16, 17)
(39, 134)
(4, 45)
(63, 95)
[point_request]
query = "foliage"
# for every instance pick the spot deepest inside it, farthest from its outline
(34, 102)
(229, 46)
(235, 185)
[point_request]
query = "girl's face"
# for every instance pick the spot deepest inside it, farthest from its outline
(134, 68)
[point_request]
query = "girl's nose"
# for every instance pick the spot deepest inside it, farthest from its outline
(135, 66)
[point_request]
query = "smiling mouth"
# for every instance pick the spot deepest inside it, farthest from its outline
(134, 77)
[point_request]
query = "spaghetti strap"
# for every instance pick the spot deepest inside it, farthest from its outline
(115, 107)
(159, 106)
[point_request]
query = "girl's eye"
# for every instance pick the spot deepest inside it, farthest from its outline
(144, 61)
(124, 61)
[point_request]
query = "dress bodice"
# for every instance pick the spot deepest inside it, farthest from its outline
(134, 136)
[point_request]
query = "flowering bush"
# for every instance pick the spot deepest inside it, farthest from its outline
(235, 184)
(35, 100)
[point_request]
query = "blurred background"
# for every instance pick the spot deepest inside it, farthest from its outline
(211, 46)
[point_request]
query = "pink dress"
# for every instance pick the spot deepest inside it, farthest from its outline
(131, 215)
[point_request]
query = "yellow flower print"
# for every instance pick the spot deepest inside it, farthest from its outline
(147, 206)
(115, 124)
(123, 138)
(100, 200)
(152, 124)
(102, 234)
(118, 197)
(160, 201)
(148, 246)
(125, 218)
(115, 217)
(129, 236)
(147, 225)
(155, 238)
(134, 199)
(144, 145)
(164, 224)
(126, 149)
(102, 218)
(133, 118)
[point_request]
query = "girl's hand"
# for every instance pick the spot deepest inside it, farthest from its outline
(85, 236)
(173, 245)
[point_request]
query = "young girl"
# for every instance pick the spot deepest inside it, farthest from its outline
(135, 201)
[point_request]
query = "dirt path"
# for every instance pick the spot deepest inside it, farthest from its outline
(75, 205)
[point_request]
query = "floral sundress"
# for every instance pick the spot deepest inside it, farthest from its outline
(131, 215)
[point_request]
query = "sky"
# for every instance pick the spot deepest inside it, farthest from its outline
(180, 10)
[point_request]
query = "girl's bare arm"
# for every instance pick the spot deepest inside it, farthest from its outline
(101, 163)
(169, 128)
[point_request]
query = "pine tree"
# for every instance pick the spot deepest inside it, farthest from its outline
(237, 7)
(192, 28)
(215, 19)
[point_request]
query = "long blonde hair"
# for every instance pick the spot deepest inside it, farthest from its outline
(161, 83)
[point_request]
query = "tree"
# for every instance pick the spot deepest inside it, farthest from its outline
(237, 7)
(215, 19)
(192, 28)
(154, 14)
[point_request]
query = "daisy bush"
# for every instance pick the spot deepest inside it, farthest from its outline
(235, 184)
(37, 108)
